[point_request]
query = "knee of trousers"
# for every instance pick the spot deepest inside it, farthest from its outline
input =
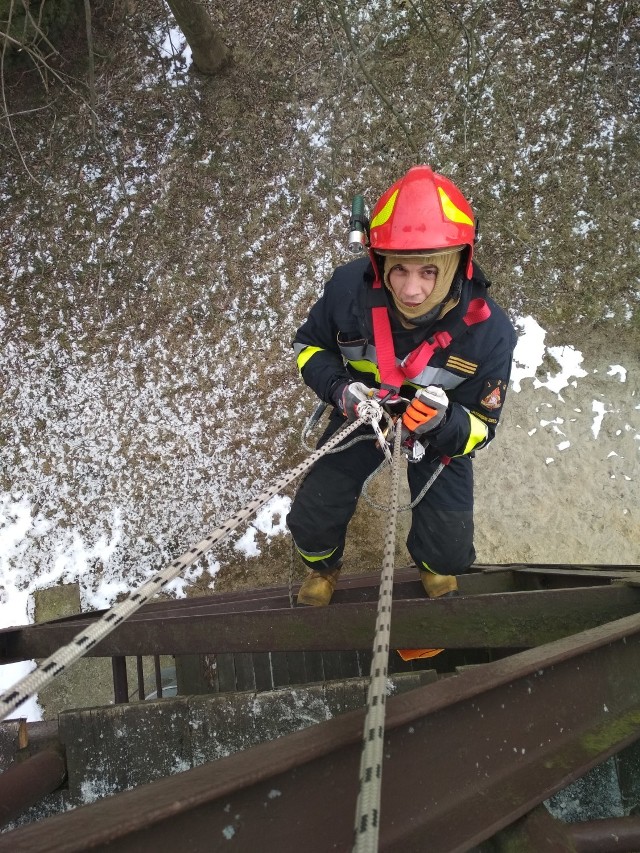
(323, 506)
(443, 543)
(313, 541)
(297, 522)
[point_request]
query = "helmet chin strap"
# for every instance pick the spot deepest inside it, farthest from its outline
(377, 281)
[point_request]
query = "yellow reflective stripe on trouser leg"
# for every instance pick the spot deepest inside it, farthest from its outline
(316, 556)
(305, 355)
(478, 434)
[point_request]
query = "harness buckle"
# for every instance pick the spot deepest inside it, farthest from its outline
(442, 339)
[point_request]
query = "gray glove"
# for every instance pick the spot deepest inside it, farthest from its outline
(352, 395)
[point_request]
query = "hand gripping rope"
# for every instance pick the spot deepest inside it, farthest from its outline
(87, 639)
(367, 822)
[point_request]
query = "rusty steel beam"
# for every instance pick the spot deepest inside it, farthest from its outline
(464, 758)
(353, 589)
(540, 831)
(536, 832)
(601, 568)
(610, 835)
(558, 576)
(26, 782)
(362, 588)
(499, 620)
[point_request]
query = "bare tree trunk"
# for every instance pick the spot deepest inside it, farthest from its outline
(209, 52)
(92, 70)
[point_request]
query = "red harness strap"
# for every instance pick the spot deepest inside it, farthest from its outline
(477, 312)
(393, 375)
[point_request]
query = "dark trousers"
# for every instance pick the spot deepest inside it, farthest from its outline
(441, 534)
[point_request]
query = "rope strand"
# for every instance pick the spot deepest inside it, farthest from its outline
(367, 822)
(91, 636)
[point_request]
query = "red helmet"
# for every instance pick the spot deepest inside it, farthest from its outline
(421, 212)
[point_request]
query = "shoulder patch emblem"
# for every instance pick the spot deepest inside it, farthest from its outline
(494, 391)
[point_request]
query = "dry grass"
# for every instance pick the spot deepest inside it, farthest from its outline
(207, 215)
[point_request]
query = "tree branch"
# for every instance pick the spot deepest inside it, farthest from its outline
(365, 71)
(92, 73)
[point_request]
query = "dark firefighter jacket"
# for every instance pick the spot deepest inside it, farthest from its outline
(336, 345)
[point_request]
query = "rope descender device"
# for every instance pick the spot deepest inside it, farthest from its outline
(371, 412)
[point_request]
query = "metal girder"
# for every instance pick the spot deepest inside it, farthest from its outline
(26, 642)
(464, 758)
(618, 835)
(25, 782)
(497, 620)
(539, 832)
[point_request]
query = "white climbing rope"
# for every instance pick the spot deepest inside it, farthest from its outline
(367, 822)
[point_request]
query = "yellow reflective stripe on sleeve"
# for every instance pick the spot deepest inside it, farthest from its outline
(305, 355)
(477, 435)
(366, 367)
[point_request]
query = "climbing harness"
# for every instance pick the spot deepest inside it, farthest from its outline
(88, 638)
(394, 375)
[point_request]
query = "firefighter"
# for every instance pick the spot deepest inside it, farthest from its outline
(412, 321)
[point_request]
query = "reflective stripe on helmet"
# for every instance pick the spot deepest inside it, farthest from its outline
(384, 214)
(451, 211)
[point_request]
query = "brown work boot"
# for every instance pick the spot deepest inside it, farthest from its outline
(439, 586)
(318, 588)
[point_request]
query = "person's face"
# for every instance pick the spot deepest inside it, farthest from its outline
(412, 282)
